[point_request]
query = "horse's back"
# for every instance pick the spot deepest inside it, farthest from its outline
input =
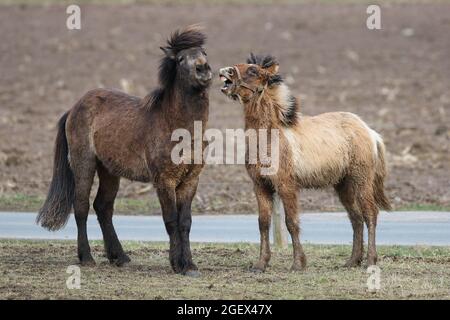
(342, 129)
(320, 151)
(325, 146)
(105, 125)
(97, 102)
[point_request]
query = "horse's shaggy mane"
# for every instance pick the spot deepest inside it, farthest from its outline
(291, 112)
(286, 103)
(189, 37)
(264, 61)
(180, 40)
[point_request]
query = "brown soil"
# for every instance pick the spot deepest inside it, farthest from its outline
(397, 79)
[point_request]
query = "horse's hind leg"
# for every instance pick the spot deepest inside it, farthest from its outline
(84, 171)
(346, 194)
(104, 206)
(366, 202)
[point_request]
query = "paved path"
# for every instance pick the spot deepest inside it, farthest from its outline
(403, 228)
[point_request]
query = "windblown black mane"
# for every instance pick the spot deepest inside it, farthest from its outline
(180, 40)
(290, 111)
(290, 114)
(266, 62)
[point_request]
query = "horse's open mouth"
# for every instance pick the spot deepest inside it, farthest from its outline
(226, 83)
(225, 78)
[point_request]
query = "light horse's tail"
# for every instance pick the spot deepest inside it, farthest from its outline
(56, 209)
(381, 199)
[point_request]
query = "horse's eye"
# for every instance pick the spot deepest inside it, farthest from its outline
(180, 59)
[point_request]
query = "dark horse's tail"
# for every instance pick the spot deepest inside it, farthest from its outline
(55, 212)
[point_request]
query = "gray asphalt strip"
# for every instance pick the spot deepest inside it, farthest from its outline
(400, 228)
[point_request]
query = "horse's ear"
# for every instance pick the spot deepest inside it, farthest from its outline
(252, 59)
(273, 69)
(168, 52)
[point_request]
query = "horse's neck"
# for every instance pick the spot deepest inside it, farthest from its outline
(259, 116)
(185, 107)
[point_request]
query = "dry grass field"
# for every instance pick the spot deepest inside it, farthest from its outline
(37, 270)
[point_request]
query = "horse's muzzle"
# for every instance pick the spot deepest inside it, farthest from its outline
(225, 76)
(203, 74)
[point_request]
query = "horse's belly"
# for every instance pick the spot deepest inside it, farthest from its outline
(122, 159)
(133, 170)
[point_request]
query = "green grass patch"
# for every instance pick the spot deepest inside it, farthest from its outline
(20, 202)
(423, 207)
(31, 203)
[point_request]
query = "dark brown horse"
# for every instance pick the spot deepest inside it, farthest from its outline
(119, 135)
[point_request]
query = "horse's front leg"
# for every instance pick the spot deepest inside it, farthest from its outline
(288, 195)
(167, 199)
(185, 194)
(264, 196)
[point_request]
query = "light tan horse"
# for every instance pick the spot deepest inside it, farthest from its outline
(333, 149)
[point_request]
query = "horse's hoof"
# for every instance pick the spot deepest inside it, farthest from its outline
(257, 269)
(352, 263)
(120, 262)
(87, 262)
(193, 274)
(371, 261)
(297, 267)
